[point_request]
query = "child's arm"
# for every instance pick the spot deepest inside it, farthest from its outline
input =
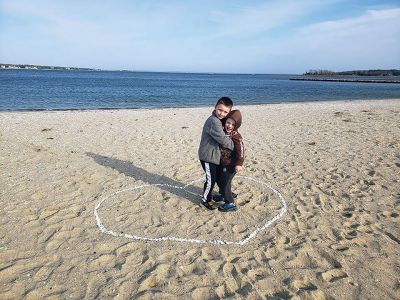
(239, 151)
(216, 131)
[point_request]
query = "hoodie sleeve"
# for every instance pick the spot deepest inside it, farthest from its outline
(217, 133)
(239, 149)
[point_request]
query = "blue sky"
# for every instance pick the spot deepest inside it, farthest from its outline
(228, 36)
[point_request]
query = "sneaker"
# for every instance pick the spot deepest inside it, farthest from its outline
(228, 207)
(218, 198)
(207, 205)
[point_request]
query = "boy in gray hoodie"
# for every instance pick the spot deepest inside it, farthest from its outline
(212, 137)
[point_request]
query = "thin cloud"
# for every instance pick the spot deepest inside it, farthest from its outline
(367, 41)
(52, 22)
(248, 21)
(371, 16)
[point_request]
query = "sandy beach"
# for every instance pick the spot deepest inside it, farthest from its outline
(104, 205)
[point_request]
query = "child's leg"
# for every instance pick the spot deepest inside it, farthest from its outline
(221, 179)
(221, 182)
(228, 174)
(211, 176)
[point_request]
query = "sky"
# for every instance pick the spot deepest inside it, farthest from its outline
(218, 36)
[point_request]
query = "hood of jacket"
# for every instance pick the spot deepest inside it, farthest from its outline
(236, 116)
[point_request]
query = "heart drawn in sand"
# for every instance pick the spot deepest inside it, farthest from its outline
(242, 242)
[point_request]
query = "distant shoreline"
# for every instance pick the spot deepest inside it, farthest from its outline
(42, 68)
(347, 80)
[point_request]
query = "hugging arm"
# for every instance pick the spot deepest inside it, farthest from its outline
(239, 151)
(218, 134)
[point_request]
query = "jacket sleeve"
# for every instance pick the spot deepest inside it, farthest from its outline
(239, 149)
(217, 133)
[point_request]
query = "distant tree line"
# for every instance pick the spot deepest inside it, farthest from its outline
(319, 72)
(392, 72)
(38, 67)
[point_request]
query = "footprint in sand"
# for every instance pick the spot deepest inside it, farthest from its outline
(158, 275)
(334, 275)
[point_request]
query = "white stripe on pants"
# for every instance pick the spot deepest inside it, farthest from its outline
(208, 177)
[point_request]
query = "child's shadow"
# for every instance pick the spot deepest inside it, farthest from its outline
(191, 193)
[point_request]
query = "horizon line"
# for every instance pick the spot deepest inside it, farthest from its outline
(66, 68)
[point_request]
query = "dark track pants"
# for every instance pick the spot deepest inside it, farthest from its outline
(225, 175)
(211, 178)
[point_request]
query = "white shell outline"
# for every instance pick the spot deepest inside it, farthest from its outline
(242, 242)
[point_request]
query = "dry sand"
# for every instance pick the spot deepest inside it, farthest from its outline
(337, 165)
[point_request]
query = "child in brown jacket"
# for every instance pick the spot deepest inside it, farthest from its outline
(231, 160)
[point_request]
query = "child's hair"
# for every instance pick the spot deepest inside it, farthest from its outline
(225, 101)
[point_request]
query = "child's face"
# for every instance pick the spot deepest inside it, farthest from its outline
(229, 125)
(221, 111)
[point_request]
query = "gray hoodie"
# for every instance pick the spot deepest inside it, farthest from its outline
(212, 136)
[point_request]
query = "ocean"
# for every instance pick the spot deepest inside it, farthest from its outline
(25, 90)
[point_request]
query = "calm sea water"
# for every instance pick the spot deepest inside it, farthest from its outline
(57, 90)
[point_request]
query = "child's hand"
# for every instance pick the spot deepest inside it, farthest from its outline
(238, 168)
